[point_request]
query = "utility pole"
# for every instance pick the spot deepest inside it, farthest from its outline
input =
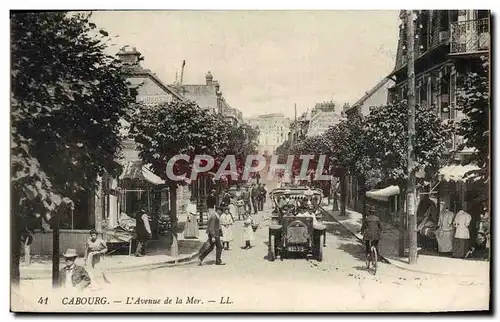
(411, 188)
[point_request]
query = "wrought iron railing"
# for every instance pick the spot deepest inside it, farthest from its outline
(470, 36)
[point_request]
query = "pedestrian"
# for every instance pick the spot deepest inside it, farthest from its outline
(226, 199)
(247, 200)
(226, 221)
(143, 232)
(444, 233)
(263, 194)
(211, 202)
(462, 235)
(254, 193)
(72, 276)
(214, 233)
(95, 249)
(248, 233)
(191, 230)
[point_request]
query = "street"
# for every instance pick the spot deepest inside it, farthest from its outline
(249, 281)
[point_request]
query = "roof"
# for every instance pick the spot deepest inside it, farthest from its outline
(369, 93)
(139, 71)
(204, 95)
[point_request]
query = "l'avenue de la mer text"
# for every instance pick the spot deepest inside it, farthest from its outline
(177, 300)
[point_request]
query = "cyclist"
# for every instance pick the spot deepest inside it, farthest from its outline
(371, 230)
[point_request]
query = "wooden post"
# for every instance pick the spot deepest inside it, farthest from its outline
(55, 246)
(411, 188)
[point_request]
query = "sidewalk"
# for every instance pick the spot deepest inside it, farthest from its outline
(157, 257)
(388, 246)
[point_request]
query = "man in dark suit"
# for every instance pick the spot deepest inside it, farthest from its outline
(214, 233)
(73, 276)
(255, 193)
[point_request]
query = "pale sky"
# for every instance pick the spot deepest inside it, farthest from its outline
(265, 61)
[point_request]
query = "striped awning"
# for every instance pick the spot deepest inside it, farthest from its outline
(135, 170)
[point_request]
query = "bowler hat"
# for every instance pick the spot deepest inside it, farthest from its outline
(70, 253)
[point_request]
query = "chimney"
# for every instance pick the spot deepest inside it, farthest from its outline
(129, 57)
(209, 78)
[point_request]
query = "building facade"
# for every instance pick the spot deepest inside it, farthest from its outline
(273, 131)
(376, 96)
(448, 43)
(322, 116)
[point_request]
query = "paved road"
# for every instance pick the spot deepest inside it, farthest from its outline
(252, 283)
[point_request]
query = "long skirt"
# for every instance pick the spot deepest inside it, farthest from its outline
(460, 247)
(191, 229)
(445, 241)
(227, 233)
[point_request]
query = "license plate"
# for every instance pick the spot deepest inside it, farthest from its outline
(295, 248)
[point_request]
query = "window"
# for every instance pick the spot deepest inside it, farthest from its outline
(444, 21)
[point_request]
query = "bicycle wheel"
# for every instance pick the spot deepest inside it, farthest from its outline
(374, 256)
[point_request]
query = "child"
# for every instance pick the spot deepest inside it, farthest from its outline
(226, 221)
(248, 232)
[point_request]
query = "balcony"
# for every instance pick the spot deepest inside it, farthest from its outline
(471, 36)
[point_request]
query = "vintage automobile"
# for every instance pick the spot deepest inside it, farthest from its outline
(293, 229)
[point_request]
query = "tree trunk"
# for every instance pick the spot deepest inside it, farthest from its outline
(174, 248)
(15, 248)
(343, 195)
(362, 194)
(401, 221)
(55, 246)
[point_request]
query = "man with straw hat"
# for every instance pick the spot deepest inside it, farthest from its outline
(71, 275)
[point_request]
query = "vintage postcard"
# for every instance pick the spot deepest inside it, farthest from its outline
(250, 161)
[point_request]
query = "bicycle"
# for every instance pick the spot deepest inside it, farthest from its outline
(372, 258)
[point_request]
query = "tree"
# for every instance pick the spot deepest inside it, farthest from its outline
(67, 97)
(474, 102)
(386, 134)
(176, 128)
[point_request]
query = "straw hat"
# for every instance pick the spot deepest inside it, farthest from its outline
(70, 253)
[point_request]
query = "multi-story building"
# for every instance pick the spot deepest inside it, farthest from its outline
(209, 96)
(273, 131)
(448, 43)
(376, 96)
(322, 116)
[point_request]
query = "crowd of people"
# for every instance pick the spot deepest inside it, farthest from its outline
(244, 203)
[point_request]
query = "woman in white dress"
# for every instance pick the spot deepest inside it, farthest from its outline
(226, 222)
(444, 233)
(248, 232)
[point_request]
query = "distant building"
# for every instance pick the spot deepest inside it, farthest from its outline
(209, 96)
(377, 96)
(273, 131)
(322, 116)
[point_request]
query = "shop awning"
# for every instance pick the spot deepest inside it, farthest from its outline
(383, 194)
(136, 170)
(456, 173)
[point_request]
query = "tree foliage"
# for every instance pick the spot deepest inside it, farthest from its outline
(67, 96)
(386, 133)
(474, 102)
